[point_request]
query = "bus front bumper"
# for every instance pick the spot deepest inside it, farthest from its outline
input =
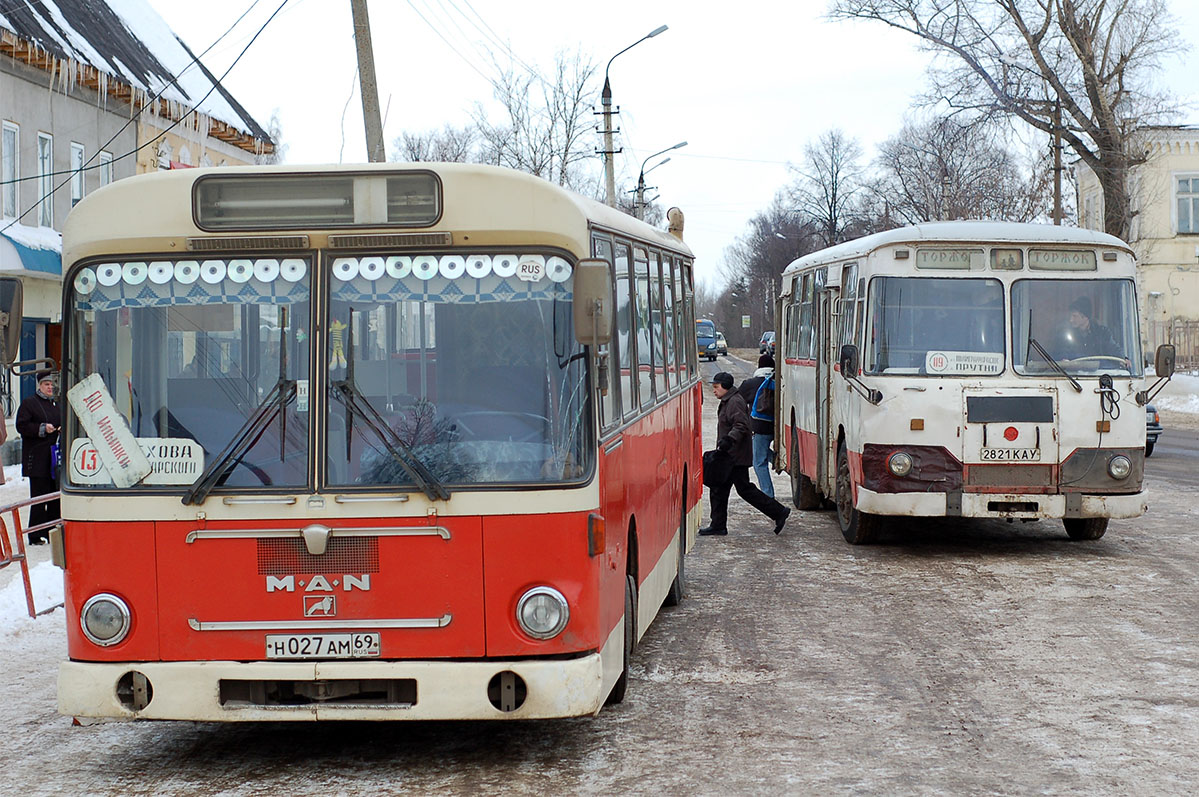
(228, 691)
(1001, 505)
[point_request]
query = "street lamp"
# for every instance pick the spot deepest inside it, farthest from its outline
(641, 177)
(606, 100)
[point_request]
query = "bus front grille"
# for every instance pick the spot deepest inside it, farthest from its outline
(284, 556)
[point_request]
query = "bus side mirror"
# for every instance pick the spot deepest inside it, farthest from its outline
(10, 319)
(849, 361)
(1163, 360)
(593, 302)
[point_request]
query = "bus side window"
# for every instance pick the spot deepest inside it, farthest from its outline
(626, 372)
(610, 400)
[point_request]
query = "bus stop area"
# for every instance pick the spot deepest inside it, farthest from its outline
(952, 657)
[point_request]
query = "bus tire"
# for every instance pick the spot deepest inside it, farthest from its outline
(1085, 528)
(803, 489)
(858, 528)
(674, 596)
(630, 636)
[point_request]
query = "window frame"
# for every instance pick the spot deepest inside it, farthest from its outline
(78, 187)
(1190, 197)
(11, 155)
(45, 179)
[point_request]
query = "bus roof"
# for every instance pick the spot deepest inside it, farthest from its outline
(957, 232)
(154, 210)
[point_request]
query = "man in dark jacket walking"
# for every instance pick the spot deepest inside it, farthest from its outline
(734, 438)
(38, 421)
(758, 392)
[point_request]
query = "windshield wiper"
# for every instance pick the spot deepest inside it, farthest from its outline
(243, 440)
(400, 451)
(1056, 365)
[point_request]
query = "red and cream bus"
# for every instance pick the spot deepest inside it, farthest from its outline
(377, 442)
(965, 369)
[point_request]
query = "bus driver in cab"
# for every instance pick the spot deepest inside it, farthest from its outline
(1082, 337)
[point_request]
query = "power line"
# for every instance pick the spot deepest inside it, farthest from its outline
(149, 103)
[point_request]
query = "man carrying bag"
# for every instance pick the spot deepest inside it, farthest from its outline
(734, 441)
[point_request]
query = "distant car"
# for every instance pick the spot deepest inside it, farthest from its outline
(1153, 428)
(722, 348)
(766, 344)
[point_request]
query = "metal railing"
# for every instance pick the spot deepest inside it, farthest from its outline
(1183, 333)
(12, 551)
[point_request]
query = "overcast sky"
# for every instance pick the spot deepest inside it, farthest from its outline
(746, 86)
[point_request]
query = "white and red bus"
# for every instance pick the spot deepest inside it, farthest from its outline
(947, 369)
(386, 442)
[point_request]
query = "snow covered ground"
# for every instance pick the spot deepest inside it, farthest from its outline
(31, 649)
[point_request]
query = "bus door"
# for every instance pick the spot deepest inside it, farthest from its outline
(825, 330)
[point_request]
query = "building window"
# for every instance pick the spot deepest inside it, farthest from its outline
(105, 168)
(76, 173)
(45, 179)
(1187, 198)
(10, 170)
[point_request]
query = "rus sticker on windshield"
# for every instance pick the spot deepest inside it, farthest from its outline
(173, 461)
(116, 447)
(963, 362)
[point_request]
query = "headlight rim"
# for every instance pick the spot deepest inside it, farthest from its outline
(1125, 464)
(896, 463)
(559, 627)
(123, 609)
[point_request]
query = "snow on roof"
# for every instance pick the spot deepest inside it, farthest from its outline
(128, 40)
(957, 231)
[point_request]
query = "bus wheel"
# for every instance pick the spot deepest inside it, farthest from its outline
(858, 528)
(803, 490)
(1085, 528)
(630, 636)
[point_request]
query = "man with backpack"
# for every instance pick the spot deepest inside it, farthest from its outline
(758, 392)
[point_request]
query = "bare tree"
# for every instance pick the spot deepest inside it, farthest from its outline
(449, 144)
(828, 184)
(274, 129)
(948, 168)
(548, 120)
(1089, 62)
(753, 268)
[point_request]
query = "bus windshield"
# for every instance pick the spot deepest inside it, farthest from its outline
(705, 329)
(921, 325)
(431, 376)
(480, 377)
(190, 351)
(1088, 326)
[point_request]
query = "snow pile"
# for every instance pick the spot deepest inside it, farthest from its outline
(35, 237)
(47, 591)
(1180, 395)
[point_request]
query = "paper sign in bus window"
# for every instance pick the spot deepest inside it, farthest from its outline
(116, 446)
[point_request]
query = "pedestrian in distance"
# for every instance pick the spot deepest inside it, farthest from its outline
(758, 392)
(734, 438)
(38, 421)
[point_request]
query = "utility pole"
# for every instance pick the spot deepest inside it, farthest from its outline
(1057, 163)
(609, 153)
(367, 85)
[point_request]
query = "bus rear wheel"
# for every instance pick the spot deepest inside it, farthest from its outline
(803, 489)
(630, 637)
(674, 596)
(858, 528)
(1085, 528)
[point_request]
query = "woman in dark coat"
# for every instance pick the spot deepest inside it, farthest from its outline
(734, 437)
(38, 422)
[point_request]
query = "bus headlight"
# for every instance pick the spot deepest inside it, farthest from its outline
(899, 463)
(542, 612)
(1119, 467)
(105, 619)
(711, 345)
